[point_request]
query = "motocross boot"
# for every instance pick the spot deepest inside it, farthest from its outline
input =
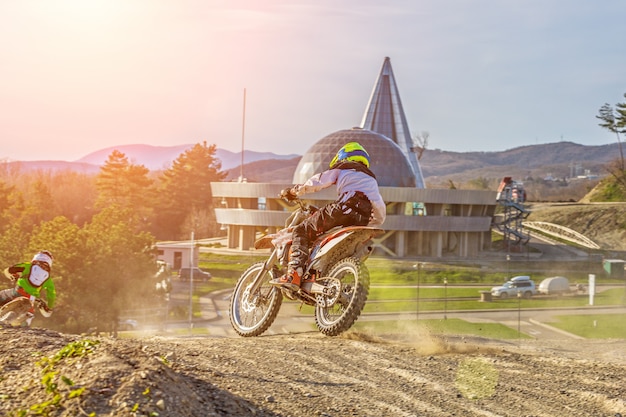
(291, 280)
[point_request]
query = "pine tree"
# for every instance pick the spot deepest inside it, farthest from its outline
(115, 272)
(120, 183)
(614, 120)
(185, 193)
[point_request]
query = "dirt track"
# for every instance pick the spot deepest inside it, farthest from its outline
(308, 374)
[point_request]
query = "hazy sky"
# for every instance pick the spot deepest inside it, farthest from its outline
(77, 76)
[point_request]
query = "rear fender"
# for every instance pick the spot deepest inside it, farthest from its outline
(357, 234)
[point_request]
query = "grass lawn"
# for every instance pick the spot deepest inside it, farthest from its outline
(214, 284)
(432, 299)
(403, 293)
(593, 326)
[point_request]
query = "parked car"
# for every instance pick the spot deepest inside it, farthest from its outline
(128, 324)
(520, 285)
(554, 286)
(198, 274)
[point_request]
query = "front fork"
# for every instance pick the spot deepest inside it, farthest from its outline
(268, 266)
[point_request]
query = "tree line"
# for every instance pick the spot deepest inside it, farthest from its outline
(102, 229)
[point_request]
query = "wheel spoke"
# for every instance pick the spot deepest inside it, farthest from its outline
(251, 313)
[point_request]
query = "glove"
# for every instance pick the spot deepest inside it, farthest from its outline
(42, 305)
(44, 309)
(14, 277)
(288, 194)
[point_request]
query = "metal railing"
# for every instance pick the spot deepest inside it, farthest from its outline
(562, 232)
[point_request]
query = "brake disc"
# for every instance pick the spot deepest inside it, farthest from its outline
(331, 292)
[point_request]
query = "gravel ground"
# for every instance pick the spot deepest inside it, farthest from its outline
(308, 374)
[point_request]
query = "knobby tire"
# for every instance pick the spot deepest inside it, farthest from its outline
(252, 314)
(355, 283)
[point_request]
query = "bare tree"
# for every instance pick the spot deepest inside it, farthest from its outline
(420, 143)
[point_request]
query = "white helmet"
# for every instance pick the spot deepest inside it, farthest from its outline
(43, 256)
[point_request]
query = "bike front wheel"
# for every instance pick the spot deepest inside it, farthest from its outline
(253, 312)
(15, 312)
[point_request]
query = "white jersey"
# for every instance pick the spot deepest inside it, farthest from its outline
(348, 181)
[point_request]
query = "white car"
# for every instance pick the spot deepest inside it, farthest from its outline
(515, 287)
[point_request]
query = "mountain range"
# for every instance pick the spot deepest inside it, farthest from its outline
(554, 160)
(155, 158)
(558, 160)
(161, 157)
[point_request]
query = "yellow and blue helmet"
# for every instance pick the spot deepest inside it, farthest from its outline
(352, 151)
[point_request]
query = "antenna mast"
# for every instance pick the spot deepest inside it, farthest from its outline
(243, 134)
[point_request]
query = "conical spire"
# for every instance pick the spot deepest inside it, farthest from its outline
(385, 115)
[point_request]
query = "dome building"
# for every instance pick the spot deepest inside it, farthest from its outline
(387, 161)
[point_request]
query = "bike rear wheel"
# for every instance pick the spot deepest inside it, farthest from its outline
(355, 283)
(252, 313)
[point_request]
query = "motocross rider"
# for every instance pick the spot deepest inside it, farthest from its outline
(31, 278)
(359, 203)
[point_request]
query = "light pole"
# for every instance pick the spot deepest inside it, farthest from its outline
(445, 298)
(417, 299)
(191, 260)
(519, 315)
(508, 267)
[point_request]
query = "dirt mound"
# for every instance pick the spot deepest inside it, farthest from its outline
(306, 374)
(604, 223)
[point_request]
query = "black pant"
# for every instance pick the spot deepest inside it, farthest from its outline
(352, 210)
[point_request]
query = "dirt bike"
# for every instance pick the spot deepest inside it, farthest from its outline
(335, 281)
(20, 310)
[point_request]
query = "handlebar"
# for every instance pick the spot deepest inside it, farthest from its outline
(8, 275)
(303, 205)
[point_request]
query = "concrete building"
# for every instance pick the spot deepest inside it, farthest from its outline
(420, 222)
(178, 254)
